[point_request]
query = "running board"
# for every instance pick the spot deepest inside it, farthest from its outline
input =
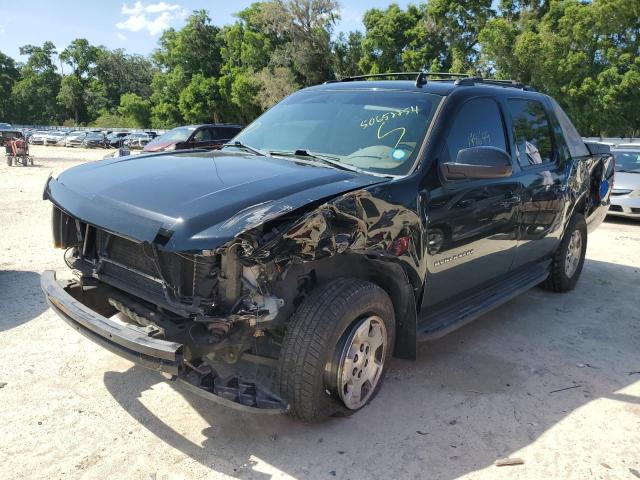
(451, 317)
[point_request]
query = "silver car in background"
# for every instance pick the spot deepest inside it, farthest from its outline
(625, 197)
(38, 137)
(75, 139)
(52, 137)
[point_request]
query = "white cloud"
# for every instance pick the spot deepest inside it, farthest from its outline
(152, 17)
(121, 36)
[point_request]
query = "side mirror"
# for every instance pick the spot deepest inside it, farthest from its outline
(478, 162)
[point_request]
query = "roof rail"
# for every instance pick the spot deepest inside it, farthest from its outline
(422, 76)
(491, 81)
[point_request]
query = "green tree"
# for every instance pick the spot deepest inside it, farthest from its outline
(119, 73)
(583, 54)
(9, 75)
(135, 110)
(71, 97)
(387, 37)
(194, 50)
(303, 29)
(34, 95)
(275, 85)
(166, 88)
(347, 52)
(200, 100)
(81, 56)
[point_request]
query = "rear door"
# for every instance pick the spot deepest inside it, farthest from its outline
(542, 177)
(471, 223)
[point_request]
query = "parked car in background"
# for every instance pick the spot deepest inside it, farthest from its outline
(625, 198)
(193, 136)
(38, 137)
(4, 125)
(137, 140)
(94, 140)
(74, 139)
(53, 137)
(115, 139)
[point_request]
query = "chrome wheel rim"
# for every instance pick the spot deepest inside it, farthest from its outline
(362, 361)
(574, 254)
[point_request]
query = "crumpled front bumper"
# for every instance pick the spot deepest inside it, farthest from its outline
(134, 344)
(127, 341)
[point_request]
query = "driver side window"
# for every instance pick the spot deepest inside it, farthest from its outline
(202, 135)
(478, 123)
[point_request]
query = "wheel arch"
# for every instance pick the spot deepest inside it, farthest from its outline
(388, 275)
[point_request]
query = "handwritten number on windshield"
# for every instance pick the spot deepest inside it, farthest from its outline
(385, 117)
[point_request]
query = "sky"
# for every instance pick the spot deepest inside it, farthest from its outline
(132, 25)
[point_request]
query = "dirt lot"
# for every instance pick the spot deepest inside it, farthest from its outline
(69, 409)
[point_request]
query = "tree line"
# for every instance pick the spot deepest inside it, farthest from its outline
(585, 54)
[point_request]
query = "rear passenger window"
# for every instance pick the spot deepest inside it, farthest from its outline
(531, 131)
(477, 123)
(220, 133)
(577, 148)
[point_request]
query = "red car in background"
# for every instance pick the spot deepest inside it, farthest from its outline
(193, 136)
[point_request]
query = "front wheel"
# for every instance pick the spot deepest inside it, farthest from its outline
(337, 349)
(568, 260)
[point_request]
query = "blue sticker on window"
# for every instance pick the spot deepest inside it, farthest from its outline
(398, 154)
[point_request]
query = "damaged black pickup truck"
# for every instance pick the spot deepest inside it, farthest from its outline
(347, 223)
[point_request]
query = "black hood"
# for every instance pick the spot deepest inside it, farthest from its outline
(198, 200)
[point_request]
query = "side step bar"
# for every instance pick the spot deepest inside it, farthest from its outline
(450, 317)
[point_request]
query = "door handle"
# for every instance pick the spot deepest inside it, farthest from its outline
(512, 198)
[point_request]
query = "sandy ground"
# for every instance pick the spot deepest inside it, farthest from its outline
(69, 409)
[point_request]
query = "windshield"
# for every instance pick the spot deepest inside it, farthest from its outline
(95, 136)
(376, 130)
(180, 134)
(627, 160)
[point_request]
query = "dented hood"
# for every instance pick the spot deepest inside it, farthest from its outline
(193, 201)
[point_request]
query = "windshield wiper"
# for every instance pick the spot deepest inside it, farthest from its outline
(247, 148)
(327, 160)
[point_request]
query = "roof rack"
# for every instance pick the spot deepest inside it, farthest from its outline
(491, 81)
(422, 76)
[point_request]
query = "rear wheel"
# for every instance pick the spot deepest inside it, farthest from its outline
(568, 260)
(337, 349)
(9, 160)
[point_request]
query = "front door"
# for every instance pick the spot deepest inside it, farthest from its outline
(472, 224)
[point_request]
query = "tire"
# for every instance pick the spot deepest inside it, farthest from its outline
(563, 277)
(319, 338)
(9, 160)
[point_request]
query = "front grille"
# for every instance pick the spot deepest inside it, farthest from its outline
(615, 208)
(131, 254)
(141, 267)
(126, 279)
